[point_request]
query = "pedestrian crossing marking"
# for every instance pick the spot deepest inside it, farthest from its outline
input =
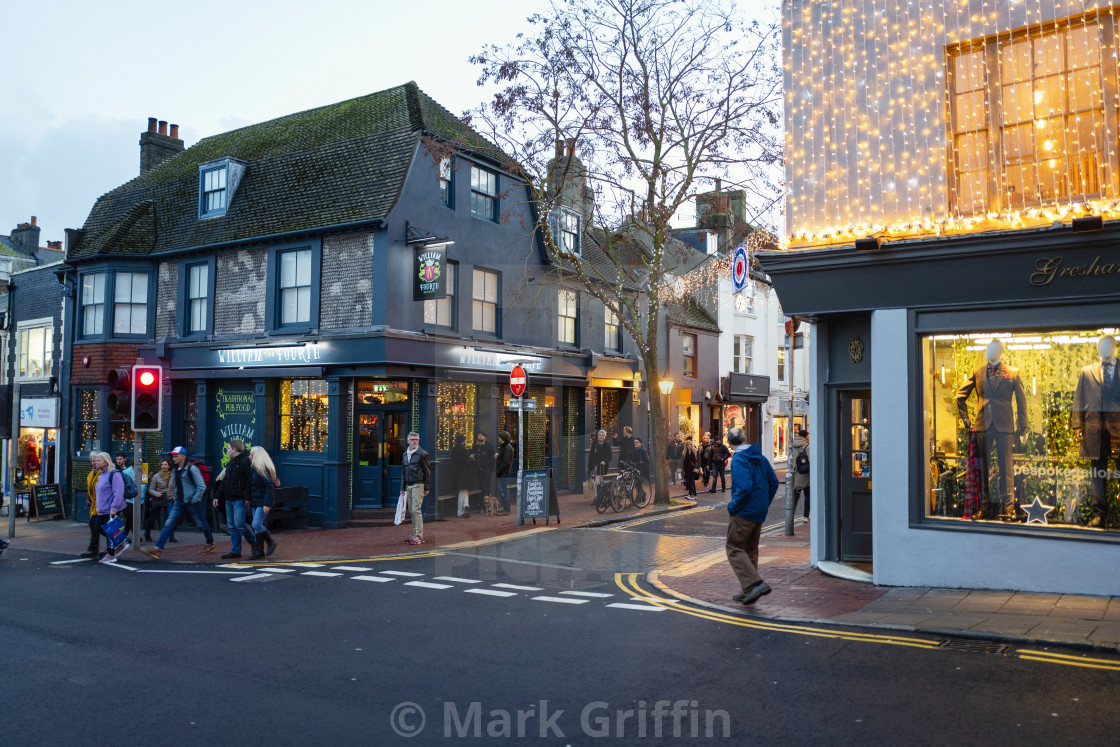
(306, 565)
(491, 592)
(253, 577)
(515, 587)
(640, 607)
(320, 573)
(428, 585)
(278, 570)
(458, 580)
(562, 600)
(593, 594)
(350, 568)
(402, 573)
(379, 579)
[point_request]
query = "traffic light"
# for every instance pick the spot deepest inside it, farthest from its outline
(147, 398)
(120, 396)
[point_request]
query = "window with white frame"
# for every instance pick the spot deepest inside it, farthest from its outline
(93, 304)
(295, 286)
(36, 348)
(781, 364)
(130, 303)
(484, 193)
(445, 193)
(213, 188)
(741, 354)
(566, 229)
(441, 312)
(485, 301)
(568, 315)
(198, 297)
(688, 352)
(612, 339)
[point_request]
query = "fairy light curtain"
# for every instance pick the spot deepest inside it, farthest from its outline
(910, 119)
(455, 407)
(303, 415)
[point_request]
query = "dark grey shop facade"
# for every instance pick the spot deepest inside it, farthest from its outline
(904, 332)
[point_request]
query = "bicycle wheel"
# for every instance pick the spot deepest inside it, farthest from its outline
(602, 498)
(643, 493)
(618, 495)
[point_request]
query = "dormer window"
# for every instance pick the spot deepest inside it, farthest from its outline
(566, 231)
(217, 181)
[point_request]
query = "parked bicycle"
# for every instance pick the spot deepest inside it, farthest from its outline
(631, 487)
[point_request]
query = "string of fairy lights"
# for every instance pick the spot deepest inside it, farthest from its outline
(910, 119)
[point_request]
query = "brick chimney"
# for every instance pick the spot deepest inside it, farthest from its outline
(156, 146)
(26, 235)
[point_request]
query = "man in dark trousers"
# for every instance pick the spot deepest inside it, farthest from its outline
(705, 457)
(674, 452)
(483, 458)
(753, 486)
(416, 469)
(235, 489)
(718, 455)
(503, 468)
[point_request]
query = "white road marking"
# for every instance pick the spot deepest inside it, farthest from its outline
(428, 585)
(254, 577)
(642, 607)
(594, 594)
(320, 573)
(562, 600)
(459, 580)
(349, 568)
(402, 573)
(492, 592)
(216, 573)
(518, 588)
(276, 570)
(307, 565)
(75, 560)
(118, 564)
(379, 579)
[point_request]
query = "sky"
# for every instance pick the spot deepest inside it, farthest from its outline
(89, 74)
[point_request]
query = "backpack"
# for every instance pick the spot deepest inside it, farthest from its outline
(204, 470)
(130, 490)
(801, 462)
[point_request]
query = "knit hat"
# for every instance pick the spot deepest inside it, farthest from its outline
(504, 435)
(460, 439)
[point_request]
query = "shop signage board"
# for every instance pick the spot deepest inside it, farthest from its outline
(429, 273)
(536, 483)
(236, 417)
(518, 380)
(748, 385)
(46, 502)
(38, 412)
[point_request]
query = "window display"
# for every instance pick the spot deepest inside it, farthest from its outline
(1024, 428)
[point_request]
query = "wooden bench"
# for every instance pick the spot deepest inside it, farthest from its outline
(289, 503)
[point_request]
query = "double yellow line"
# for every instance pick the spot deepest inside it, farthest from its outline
(407, 556)
(1052, 657)
(628, 582)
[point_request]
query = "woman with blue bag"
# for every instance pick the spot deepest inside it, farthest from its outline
(110, 502)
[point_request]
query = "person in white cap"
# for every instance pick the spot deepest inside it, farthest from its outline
(189, 488)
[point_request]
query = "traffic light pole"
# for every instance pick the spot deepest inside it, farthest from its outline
(137, 473)
(13, 451)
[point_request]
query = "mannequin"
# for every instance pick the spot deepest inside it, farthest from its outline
(1096, 418)
(997, 423)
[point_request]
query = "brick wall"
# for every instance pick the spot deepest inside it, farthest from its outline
(240, 284)
(167, 291)
(104, 356)
(346, 298)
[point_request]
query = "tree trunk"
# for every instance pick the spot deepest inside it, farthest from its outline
(658, 430)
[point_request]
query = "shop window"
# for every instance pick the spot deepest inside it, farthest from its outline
(485, 308)
(120, 434)
(93, 304)
(688, 351)
(606, 414)
(612, 337)
(1044, 139)
(783, 435)
(89, 420)
(455, 413)
(36, 350)
(382, 392)
(303, 415)
(742, 353)
(1043, 449)
(567, 315)
(441, 312)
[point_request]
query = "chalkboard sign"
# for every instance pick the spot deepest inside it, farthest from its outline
(536, 484)
(46, 501)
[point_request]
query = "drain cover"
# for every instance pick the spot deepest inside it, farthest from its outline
(976, 647)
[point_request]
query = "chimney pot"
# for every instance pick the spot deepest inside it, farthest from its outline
(174, 130)
(163, 127)
(151, 124)
(34, 221)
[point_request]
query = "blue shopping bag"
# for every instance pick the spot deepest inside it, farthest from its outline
(114, 532)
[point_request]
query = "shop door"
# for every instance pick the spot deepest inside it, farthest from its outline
(855, 476)
(378, 448)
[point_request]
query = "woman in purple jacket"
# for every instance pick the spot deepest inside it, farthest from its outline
(110, 499)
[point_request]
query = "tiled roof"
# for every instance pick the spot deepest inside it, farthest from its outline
(9, 248)
(691, 314)
(338, 164)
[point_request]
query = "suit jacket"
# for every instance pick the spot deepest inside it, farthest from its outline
(1096, 409)
(994, 398)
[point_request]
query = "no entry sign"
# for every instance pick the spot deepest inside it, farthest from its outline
(518, 380)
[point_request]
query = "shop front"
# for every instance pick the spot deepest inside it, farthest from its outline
(744, 397)
(971, 428)
(37, 453)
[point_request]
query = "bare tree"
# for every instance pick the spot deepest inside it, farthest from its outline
(626, 110)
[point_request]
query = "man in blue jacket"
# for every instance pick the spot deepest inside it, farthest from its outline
(753, 486)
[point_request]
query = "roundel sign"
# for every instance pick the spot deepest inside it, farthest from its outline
(518, 381)
(739, 262)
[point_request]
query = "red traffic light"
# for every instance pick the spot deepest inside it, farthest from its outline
(147, 398)
(147, 378)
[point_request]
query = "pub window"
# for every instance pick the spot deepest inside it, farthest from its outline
(120, 434)
(568, 315)
(190, 424)
(295, 286)
(130, 303)
(446, 193)
(198, 292)
(1044, 138)
(89, 420)
(485, 301)
(303, 415)
(382, 392)
(484, 193)
(612, 339)
(93, 304)
(455, 413)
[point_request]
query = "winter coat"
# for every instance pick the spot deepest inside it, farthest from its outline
(688, 464)
(484, 457)
(674, 450)
(753, 484)
(463, 474)
(161, 490)
(110, 492)
(600, 452)
(261, 490)
(504, 465)
(239, 473)
(719, 455)
(417, 467)
(800, 479)
(91, 489)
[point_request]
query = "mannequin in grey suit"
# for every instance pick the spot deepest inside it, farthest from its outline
(1096, 417)
(997, 423)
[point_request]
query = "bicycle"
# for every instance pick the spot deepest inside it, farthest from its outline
(630, 487)
(603, 492)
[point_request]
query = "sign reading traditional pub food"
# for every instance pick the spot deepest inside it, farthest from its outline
(429, 273)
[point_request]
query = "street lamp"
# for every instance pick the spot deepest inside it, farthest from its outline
(666, 386)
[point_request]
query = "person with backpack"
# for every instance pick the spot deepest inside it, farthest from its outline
(130, 489)
(718, 454)
(237, 491)
(189, 489)
(800, 447)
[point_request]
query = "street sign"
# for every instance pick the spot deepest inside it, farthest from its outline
(518, 380)
(527, 405)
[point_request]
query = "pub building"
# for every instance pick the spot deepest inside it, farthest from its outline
(961, 285)
(323, 283)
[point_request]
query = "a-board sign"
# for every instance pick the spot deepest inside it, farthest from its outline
(46, 501)
(536, 484)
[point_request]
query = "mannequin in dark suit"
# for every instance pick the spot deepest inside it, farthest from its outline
(1096, 416)
(997, 422)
